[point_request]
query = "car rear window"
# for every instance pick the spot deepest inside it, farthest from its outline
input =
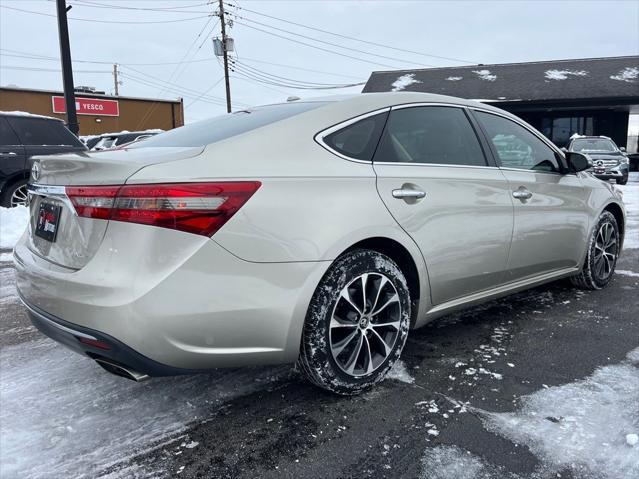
(225, 126)
(38, 131)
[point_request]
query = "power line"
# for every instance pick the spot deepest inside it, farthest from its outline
(317, 47)
(353, 38)
(292, 81)
(245, 59)
(34, 69)
(92, 20)
(195, 100)
(176, 9)
(332, 44)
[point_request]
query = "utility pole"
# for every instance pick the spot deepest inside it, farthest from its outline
(226, 58)
(67, 69)
(116, 82)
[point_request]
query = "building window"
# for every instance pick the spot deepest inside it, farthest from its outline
(560, 129)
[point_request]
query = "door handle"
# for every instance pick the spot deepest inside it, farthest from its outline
(9, 153)
(404, 194)
(522, 194)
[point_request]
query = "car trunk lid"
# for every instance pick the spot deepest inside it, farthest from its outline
(64, 238)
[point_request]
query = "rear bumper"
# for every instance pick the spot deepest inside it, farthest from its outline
(70, 335)
(178, 300)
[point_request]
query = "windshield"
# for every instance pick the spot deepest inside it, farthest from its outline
(593, 144)
(225, 126)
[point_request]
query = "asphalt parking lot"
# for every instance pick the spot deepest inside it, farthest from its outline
(541, 384)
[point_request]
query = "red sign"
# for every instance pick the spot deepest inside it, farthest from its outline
(88, 106)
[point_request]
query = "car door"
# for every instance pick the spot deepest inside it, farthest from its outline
(551, 221)
(434, 178)
(12, 155)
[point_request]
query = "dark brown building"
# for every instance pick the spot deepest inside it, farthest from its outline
(98, 113)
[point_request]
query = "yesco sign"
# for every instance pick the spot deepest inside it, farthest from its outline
(88, 106)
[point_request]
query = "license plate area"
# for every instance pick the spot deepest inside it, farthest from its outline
(48, 221)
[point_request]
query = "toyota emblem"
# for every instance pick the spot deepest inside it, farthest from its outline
(35, 171)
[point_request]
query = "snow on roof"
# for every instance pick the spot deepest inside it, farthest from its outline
(26, 113)
(403, 81)
(485, 75)
(564, 80)
(628, 74)
(563, 74)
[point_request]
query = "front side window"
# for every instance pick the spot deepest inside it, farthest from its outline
(592, 145)
(431, 135)
(41, 132)
(516, 147)
(358, 140)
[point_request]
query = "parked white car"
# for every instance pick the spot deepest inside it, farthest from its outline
(311, 231)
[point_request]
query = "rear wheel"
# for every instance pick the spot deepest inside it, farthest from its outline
(602, 254)
(16, 194)
(356, 324)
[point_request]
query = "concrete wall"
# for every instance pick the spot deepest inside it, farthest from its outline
(135, 114)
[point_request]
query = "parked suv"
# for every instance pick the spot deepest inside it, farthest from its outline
(23, 135)
(609, 161)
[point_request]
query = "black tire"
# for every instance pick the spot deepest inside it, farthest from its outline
(9, 192)
(316, 361)
(591, 275)
(622, 181)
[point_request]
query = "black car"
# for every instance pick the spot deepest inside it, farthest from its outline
(609, 162)
(23, 135)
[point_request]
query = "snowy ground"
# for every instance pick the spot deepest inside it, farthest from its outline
(538, 385)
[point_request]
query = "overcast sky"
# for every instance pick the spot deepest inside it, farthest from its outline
(464, 31)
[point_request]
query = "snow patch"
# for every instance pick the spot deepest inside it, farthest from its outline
(632, 439)
(62, 416)
(454, 78)
(26, 113)
(627, 273)
(447, 462)
(485, 75)
(628, 75)
(581, 425)
(6, 257)
(403, 81)
(13, 222)
(563, 74)
(631, 201)
(399, 373)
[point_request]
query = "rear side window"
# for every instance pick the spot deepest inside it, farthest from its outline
(7, 136)
(37, 131)
(358, 140)
(516, 147)
(430, 135)
(225, 126)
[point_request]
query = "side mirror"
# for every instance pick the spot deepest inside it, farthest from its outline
(564, 149)
(622, 149)
(578, 161)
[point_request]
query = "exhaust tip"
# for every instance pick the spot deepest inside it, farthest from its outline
(122, 371)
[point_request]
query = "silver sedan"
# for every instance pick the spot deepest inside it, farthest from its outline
(312, 231)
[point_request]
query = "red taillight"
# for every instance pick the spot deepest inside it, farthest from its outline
(200, 208)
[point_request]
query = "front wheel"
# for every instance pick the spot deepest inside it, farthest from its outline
(356, 324)
(601, 258)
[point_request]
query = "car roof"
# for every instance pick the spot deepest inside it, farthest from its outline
(24, 114)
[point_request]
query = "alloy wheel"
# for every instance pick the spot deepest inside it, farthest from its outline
(605, 251)
(365, 324)
(19, 196)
